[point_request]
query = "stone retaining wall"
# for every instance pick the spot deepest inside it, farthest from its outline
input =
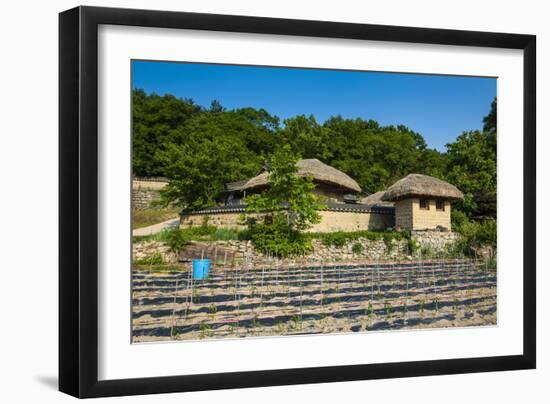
(428, 242)
(433, 240)
(145, 191)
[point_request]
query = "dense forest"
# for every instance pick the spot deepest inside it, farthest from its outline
(200, 149)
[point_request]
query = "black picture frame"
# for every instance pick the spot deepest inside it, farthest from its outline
(78, 201)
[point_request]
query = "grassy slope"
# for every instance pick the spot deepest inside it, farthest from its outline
(147, 217)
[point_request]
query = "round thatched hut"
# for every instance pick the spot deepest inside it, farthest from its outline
(422, 202)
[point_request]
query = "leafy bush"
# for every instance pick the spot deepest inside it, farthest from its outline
(227, 234)
(153, 259)
(337, 239)
(176, 239)
(340, 238)
(279, 239)
(388, 241)
(200, 233)
(357, 248)
(475, 235)
(412, 246)
(426, 251)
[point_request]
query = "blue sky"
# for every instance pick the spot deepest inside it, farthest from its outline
(438, 107)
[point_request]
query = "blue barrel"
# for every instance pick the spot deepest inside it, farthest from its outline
(201, 268)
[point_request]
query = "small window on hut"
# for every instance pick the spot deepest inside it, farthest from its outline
(440, 205)
(424, 204)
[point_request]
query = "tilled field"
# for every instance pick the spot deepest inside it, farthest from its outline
(274, 301)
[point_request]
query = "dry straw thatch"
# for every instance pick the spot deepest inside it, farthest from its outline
(418, 185)
(320, 172)
(376, 200)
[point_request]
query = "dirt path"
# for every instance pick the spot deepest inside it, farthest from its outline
(156, 228)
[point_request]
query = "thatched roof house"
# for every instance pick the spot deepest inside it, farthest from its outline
(422, 202)
(319, 171)
(419, 185)
(416, 202)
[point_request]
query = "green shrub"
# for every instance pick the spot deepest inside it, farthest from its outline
(175, 240)
(426, 251)
(357, 248)
(412, 246)
(153, 259)
(475, 235)
(340, 238)
(226, 234)
(337, 239)
(279, 239)
(388, 241)
(200, 232)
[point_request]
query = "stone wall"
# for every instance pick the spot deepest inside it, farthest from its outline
(433, 240)
(145, 191)
(145, 249)
(225, 220)
(370, 250)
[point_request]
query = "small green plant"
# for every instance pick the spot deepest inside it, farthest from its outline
(195, 296)
(175, 240)
(205, 330)
(422, 305)
(153, 259)
(388, 241)
(212, 309)
(254, 322)
(280, 327)
(232, 328)
(427, 250)
(387, 309)
(370, 310)
(412, 246)
(357, 248)
(455, 304)
(295, 323)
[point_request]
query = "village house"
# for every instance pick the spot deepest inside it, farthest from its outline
(417, 202)
(422, 202)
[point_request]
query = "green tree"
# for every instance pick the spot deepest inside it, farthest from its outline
(490, 121)
(306, 137)
(287, 195)
(472, 167)
(212, 151)
(154, 118)
(286, 208)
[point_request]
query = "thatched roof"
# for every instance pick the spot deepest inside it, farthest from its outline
(376, 200)
(312, 168)
(235, 186)
(418, 185)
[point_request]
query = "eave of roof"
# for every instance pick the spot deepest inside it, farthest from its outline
(331, 206)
